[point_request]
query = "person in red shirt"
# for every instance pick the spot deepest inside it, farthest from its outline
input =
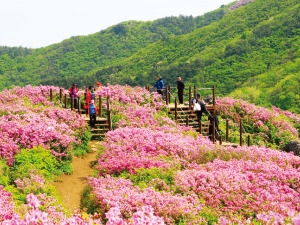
(89, 95)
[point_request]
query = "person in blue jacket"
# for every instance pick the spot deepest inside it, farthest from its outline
(159, 84)
(92, 113)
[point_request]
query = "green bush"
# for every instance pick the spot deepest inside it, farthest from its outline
(159, 178)
(88, 202)
(35, 159)
(4, 173)
(83, 147)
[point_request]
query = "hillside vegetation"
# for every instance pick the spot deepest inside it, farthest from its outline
(249, 51)
(149, 169)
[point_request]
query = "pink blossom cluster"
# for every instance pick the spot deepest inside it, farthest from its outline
(240, 3)
(294, 117)
(241, 184)
(111, 192)
(34, 214)
(144, 216)
(38, 94)
(147, 117)
(131, 95)
(129, 148)
(30, 119)
(237, 109)
(255, 154)
(30, 183)
(244, 186)
(282, 123)
(266, 167)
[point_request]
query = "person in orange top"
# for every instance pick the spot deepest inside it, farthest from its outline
(98, 86)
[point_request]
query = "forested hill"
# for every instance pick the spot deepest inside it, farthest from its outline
(78, 58)
(249, 51)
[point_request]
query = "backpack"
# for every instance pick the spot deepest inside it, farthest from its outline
(197, 106)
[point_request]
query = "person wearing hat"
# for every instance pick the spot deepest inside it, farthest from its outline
(98, 86)
(202, 107)
(73, 94)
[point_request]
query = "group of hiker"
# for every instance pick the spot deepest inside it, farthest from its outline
(199, 106)
(89, 104)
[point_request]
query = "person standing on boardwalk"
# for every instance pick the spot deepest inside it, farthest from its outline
(73, 94)
(98, 86)
(180, 89)
(89, 95)
(92, 113)
(159, 84)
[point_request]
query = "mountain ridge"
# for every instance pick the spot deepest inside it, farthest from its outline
(227, 48)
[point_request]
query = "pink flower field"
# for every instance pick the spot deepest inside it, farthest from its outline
(150, 170)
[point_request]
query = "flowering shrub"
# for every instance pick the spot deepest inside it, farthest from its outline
(242, 186)
(30, 119)
(228, 185)
(275, 126)
(151, 170)
(121, 193)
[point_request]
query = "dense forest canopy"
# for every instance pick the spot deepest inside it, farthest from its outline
(248, 49)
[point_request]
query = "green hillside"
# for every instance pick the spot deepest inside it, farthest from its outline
(249, 51)
(78, 58)
(243, 51)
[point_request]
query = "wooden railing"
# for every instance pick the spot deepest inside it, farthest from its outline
(168, 96)
(67, 101)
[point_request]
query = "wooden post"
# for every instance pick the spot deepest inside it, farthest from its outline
(220, 140)
(195, 91)
(100, 106)
(248, 140)
(214, 98)
(51, 95)
(79, 105)
(66, 99)
(107, 102)
(187, 120)
(190, 97)
(60, 94)
(200, 127)
(167, 94)
(176, 110)
(72, 103)
(227, 130)
(213, 132)
(241, 136)
(109, 120)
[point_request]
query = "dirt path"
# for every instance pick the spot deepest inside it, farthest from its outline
(71, 186)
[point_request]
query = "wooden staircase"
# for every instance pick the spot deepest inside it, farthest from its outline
(186, 117)
(101, 126)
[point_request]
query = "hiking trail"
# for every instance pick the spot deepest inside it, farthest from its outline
(70, 187)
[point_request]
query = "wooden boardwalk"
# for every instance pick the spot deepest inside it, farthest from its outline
(185, 116)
